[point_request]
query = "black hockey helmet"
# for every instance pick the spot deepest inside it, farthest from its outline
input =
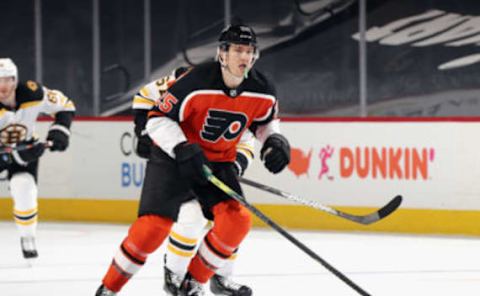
(238, 34)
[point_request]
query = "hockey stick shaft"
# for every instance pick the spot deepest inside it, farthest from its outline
(365, 220)
(22, 147)
(230, 192)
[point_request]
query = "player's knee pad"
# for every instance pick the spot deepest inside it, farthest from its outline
(146, 234)
(190, 222)
(24, 191)
(191, 214)
(232, 222)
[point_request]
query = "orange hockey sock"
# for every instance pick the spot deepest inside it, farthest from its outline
(144, 236)
(231, 224)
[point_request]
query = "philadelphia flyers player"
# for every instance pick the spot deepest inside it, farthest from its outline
(199, 121)
(190, 224)
(20, 105)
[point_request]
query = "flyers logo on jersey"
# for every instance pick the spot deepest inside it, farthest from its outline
(224, 124)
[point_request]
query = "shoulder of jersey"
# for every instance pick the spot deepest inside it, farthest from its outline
(28, 91)
(202, 76)
(259, 82)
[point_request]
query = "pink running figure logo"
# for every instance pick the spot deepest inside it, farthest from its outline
(325, 153)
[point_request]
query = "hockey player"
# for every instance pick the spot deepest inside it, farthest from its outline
(199, 121)
(20, 105)
(190, 225)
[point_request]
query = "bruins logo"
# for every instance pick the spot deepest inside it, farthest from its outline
(32, 85)
(13, 133)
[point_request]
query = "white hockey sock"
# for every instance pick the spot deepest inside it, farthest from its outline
(227, 269)
(184, 237)
(24, 192)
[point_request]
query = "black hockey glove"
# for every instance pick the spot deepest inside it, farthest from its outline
(190, 160)
(144, 144)
(59, 136)
(33, 153)
(275, 153)
(241, 164)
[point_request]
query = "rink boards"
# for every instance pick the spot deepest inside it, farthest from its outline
(355, 165)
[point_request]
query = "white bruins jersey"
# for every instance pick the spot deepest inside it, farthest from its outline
(32, 99)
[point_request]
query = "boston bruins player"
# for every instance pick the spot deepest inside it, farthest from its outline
(20, 105)
(190, 225)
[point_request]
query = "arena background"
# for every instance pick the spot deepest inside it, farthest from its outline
(407, 83)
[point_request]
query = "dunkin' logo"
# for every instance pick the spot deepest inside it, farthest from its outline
(386, 163)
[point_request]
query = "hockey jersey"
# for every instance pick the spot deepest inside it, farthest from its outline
(213, 115)
(18, 124)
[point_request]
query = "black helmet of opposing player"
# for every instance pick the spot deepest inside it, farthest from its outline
(238, 34)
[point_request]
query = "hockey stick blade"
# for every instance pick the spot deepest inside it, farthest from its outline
(376, 216)
(230, 192)
(386, 210)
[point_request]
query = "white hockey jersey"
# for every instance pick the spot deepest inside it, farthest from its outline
(32, 99)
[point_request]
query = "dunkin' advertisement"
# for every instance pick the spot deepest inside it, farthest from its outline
(432, 164)
(355, 163)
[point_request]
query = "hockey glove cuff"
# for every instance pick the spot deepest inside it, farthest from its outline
(241, 164)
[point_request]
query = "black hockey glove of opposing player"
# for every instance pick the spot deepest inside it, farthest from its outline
(59, 137)
(190, 160)
(144, 144)
(241, 164)
(275, 153)
(23, 157)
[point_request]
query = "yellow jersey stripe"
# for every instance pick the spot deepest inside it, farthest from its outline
(247, 153)
(140, 100)
(144, 92)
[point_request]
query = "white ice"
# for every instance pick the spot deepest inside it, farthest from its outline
(74, 257)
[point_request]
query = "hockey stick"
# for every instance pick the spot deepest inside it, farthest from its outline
(386, 210)
(230, 192)
(22, 147)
